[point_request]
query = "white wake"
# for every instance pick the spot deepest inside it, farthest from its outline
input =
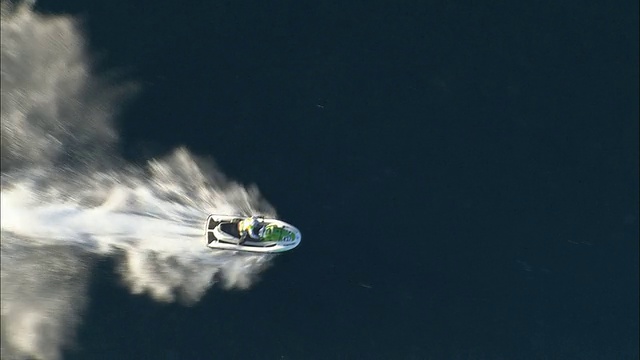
(68, 199)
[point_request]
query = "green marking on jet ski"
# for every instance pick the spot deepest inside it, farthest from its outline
(275, 233)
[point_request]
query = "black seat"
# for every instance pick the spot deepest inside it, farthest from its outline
(231, 229)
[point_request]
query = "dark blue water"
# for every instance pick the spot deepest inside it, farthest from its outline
(465, 175)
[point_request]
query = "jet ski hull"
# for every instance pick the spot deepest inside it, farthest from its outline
(221, 232)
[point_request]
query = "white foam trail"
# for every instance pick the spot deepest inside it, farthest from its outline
(67, 198)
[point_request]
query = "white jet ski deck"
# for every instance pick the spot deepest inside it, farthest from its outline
(223, 232)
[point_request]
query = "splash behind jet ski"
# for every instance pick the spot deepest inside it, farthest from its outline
(254, 234)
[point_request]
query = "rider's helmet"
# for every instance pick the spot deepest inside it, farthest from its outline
(251, 225)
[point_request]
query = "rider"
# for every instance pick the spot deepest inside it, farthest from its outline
(250, 226)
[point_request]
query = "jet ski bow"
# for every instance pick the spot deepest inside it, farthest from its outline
(252, 234)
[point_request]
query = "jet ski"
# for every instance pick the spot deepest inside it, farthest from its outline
(227, 232)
